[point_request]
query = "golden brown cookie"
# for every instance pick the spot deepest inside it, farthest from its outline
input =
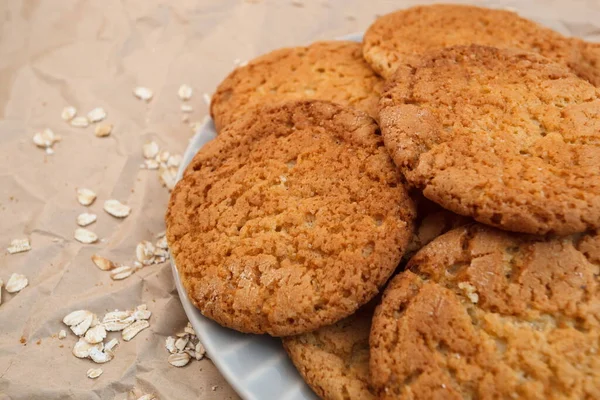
(504, 136)
(333, 71)
(334, 360)
(290, 220)
(394, 37)
(483, 313)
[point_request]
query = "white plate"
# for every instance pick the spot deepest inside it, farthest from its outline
(256, 366)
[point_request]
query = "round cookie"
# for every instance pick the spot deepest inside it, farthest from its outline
(483, 313)
(334, 71)
(334, 360)
(504, 136)
(395, 36)
(290, 220)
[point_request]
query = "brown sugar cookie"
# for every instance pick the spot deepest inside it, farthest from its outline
(290, 220)
(333, 71)
(506, 137)
(334, 360)
(483, 313)
(394, 37)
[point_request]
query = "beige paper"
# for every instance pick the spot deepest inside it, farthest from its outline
(88, 54)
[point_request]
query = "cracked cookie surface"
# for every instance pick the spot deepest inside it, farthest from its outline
(398, 35)
(332, 70)
(291, 219)
(506, 137)
(334, 360)
(483, 313)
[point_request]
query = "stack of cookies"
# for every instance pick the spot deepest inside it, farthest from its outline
(450, 162)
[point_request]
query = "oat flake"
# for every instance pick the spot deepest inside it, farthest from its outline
(185, 92)
(68, 113)
(150, 150)
(96, 115)
(116, 208)
(80, 122)
(143, 93)
(179, 359)
(85, 219)
(132, 330)
(121, 272)
(93, 373)
(103, 130)
(103, 263)
(85, 197)
(19, 246)
(85, 236)
(16, 283)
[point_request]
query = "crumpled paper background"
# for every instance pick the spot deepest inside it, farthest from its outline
(55, 53)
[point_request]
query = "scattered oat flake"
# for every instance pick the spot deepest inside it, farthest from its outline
(179, 359)
(116, 321)
(186, 108)
(168, 177)
(99, 356)
(200, 351)
(68, 113)
(82, 349)
(150, 164)
(96, 115)
(170, 344)
(163, 157)
(93, 373)
(162, 243)
(111, 344)
(185, 92)
(85, 236)
(181, 343)
(19, 246)
(150, 150)
(243, 63)
(95, 334)
(189, 329)
(144, 252)
(85, 197)
(85, 219)
(147, 397)
(80, 122)
(79, 321)
(45, 139)
(206, 98)
(103, 130)
(143, 93)
(174, 160)
(214, 388)
(132, 330)
(16, 283)
(196, 125)
(62, 334)
(121, 272)
(116, 208)
(103, 263)
(141, 313)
